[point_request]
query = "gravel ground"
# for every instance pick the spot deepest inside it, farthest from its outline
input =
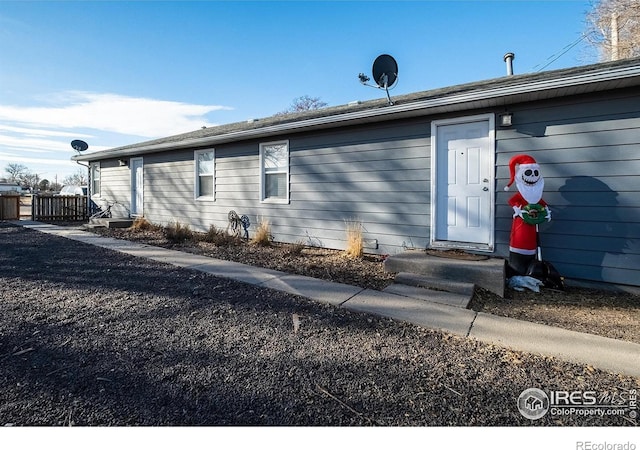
(93, 337)
(611, 314)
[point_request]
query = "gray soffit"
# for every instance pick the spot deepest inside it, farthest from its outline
(498, 92)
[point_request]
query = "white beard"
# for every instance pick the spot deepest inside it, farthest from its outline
(531, 193)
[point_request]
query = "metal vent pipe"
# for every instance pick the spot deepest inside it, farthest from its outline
(508, 58)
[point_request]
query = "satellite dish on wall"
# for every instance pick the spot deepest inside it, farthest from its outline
(385, 74)
(79, 146)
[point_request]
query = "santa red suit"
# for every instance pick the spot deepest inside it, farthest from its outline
(523, 236)
(525, 171)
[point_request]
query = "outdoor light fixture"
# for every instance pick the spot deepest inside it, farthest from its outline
(505, 119)
(123, 162)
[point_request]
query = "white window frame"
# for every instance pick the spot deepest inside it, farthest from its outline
(196, 183)
(264, 172)
(93, 169)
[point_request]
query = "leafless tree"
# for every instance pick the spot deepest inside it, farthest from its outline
(16, 172)
(613, 27)
(304, 103)
(54, 186)
(20, 174)
(30, 180)
(79, 178)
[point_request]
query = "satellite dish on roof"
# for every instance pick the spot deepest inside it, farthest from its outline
(385, 71)
(79, 145)
(385, 74)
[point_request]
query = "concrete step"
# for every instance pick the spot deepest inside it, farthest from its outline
(94, 225)
(119, 223)
(438, 284)
(112, 222)
(429, 295)
(488, 274)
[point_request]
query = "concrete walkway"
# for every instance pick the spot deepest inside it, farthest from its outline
(604, 353)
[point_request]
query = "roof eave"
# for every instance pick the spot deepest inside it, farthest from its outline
(487, 97)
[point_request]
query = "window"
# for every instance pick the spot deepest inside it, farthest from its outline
(274, 169)
(204, 176)
(94, 174)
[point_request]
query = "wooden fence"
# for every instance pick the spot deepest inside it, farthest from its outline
(59, 208)
(9, 206)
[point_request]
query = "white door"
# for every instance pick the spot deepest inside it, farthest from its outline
(462, 183)
(137, 183)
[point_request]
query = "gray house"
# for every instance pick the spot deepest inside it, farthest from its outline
(427, 171)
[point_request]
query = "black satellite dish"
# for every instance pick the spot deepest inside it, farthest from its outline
(79, 145)
(385, 71)
(385, 74)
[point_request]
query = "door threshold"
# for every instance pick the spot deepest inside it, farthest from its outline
(451, 245)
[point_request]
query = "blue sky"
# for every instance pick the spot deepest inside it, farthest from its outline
(116, 72)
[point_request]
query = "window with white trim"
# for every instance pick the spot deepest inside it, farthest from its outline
(94, 174)
(204, 174)
(274, 171)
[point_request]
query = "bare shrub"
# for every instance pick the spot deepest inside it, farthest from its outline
(219, 237)
(295, 248)
(141, 224)
(177, 233)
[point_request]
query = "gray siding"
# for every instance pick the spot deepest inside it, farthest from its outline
(589, 152)
(379, 176)
(115, 186)
(588, 148)
(169, 190)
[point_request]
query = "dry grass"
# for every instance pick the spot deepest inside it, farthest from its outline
(142, 224)
(218, 237)
(295, 248)
(178, 233)
(355, 242)
(263, 235)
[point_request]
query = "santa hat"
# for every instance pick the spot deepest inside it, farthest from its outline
(522, 160)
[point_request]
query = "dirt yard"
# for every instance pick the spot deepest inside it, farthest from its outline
(611, 314)
(92, 337)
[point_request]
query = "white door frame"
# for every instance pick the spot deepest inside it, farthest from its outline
(136, 210)
(433, 242)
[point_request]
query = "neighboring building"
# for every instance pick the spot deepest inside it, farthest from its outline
(10, 187)
(71, 189)
(427, 171)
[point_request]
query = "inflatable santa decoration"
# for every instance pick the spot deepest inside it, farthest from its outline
(529, 210)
